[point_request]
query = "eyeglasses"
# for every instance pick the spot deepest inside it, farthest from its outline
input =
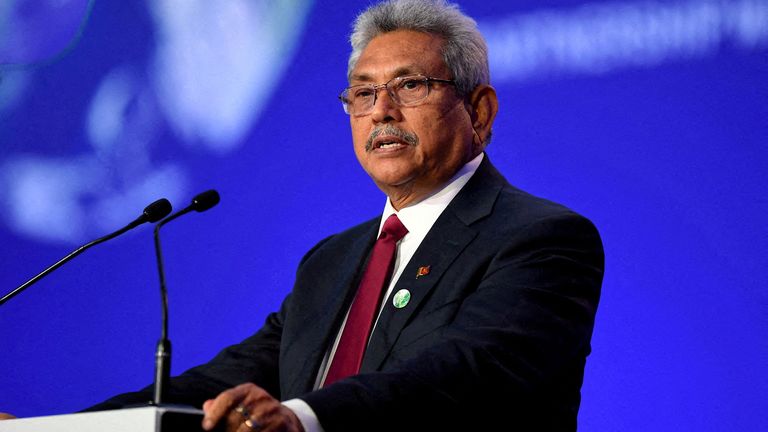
(407, 90)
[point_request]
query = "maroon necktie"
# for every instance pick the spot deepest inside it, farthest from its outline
(349, 354)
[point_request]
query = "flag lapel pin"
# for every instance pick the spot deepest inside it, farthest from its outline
(423, 271)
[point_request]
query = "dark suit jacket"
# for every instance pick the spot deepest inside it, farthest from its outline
(498, 330)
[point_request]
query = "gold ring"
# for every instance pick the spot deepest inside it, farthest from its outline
(252, 424)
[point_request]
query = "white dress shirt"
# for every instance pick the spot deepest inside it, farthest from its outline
(418, 219)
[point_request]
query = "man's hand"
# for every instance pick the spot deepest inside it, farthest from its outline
(247, 408)
(6, 416)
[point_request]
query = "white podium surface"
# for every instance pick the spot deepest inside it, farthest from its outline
(144, 419)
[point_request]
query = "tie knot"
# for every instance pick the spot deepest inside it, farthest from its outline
(393, 228)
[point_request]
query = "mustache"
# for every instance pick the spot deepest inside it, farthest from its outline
(408, 137)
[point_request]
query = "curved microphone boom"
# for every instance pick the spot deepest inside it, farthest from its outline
(152, 213)
(200, 203)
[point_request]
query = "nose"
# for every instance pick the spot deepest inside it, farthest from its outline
(385, 109)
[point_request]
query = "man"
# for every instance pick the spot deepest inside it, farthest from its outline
(483, 317)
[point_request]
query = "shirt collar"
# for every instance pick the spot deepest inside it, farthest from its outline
(420, 217)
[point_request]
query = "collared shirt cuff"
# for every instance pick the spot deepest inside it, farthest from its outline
(305, 414)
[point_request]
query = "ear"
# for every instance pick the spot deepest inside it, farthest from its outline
(482, 107)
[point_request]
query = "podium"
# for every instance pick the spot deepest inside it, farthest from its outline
(143, 419)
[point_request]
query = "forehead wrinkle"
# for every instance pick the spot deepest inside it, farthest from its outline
(407, 70)
(410, 69)
(360, 77)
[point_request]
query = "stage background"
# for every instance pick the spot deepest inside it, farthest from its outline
(650, 118)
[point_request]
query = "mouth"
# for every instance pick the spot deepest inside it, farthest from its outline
(390, 138)
(387, 143)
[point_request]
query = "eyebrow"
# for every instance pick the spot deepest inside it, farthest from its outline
(401, 71)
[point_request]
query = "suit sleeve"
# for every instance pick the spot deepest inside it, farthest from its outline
(254, 360)
(515, 349)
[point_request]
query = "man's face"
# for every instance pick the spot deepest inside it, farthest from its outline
(409, 172)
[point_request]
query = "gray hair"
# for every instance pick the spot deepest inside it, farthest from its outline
(465, 52)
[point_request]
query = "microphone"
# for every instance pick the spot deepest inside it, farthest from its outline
(152, 213)
(200, 203)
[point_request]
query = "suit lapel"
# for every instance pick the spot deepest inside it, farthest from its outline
(447, 238)
(333, 299)
(437, 251)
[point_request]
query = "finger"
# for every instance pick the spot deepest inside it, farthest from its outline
(266, 411)
(6, 416)
(273, 416)
(222, 406)
(233, 407)
(250, 425)
(252, 405)
(281, 419)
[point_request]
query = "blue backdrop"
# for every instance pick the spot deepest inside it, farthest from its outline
(651, 118)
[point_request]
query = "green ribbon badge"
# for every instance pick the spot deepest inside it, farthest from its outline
(401, 298)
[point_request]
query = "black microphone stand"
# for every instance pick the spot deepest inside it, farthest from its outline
(200, 203)
(163, 350)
